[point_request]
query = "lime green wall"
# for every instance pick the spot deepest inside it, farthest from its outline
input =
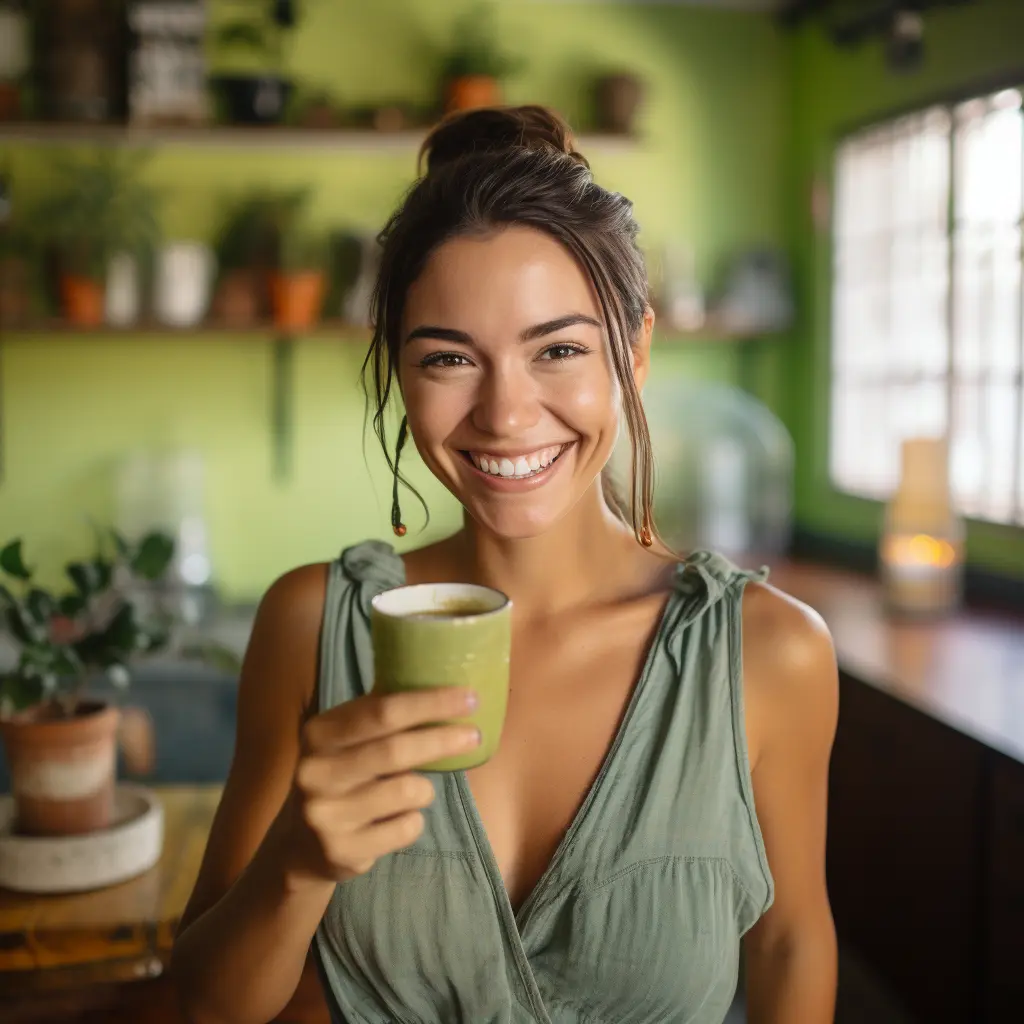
(831, 91)
(709, 171)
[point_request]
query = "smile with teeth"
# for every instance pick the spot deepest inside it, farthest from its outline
(519, 467)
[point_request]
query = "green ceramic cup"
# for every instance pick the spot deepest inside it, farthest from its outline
(447, 634)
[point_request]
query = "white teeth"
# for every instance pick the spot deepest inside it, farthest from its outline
(522, 466)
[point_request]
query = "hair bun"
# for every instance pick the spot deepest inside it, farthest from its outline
(493, 129)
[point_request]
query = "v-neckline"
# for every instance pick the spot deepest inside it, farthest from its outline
(517, 921)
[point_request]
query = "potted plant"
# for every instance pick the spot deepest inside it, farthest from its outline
(245, 257)
(101, 208)
(299, 278)
(18, 262)
(60, 743)
(254, 88)
(474, 69)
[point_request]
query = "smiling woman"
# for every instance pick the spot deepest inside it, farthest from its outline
(658, 792)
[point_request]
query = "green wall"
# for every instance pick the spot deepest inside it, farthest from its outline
(832, 91)
(708, 171)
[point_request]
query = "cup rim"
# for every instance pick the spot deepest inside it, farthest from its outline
(378, 602)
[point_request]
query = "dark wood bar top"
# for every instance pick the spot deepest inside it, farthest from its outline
(966, 670)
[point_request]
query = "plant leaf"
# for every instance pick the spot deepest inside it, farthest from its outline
(12, 562)
(71, 605)
(90, 578)
(24, 628)
(103, 571)
(122, 634)
(153, 556)
(40, 605)
(18, 692)
(120, 544)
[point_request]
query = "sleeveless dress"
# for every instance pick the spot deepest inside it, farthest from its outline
(637, 919)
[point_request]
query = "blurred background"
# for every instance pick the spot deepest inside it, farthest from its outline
(830, 201)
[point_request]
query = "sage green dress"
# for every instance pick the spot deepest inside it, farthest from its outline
(637, 920)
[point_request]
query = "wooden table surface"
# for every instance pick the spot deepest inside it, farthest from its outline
(122, 931)
(966, 671)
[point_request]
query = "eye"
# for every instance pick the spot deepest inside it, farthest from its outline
(561, 351)
(444, 360)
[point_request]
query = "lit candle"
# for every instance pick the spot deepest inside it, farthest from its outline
(921, 549)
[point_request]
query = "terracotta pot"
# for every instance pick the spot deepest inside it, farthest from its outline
(10, 101)
(62, 769)
(618, 100)
(82, 299)
(237, 300)
(470, 92)
(15, 289)
(296, 299)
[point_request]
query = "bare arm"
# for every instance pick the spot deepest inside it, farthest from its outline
(310, 802)
(245, 932)
(791, 683)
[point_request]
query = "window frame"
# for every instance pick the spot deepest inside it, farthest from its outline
(979, 88)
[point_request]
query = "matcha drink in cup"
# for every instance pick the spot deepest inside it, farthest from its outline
(447, 634)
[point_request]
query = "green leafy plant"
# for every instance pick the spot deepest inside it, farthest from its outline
(476, 50)
(258, 27)
(92, 628)
(100, 206)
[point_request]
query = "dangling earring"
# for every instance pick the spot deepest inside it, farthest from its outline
(646, 537)
(396, 510)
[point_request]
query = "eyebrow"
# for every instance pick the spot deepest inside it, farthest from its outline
(529, 334)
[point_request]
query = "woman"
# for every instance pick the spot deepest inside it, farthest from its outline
(653, 799)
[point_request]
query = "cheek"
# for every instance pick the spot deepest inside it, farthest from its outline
(434, 411)
(592, 401)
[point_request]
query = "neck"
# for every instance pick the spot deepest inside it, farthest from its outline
(565, 565)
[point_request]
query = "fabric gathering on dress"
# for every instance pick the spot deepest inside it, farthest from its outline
(638, 917)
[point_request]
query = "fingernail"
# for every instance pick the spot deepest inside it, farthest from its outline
(472, 700)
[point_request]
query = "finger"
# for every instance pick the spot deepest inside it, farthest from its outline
(372, 803)
(344, 771)
(358, 853)
(370, 717)
(405, 751)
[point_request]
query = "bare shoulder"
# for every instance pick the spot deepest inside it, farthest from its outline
(790, 679)
(286, 632)
(295, 600)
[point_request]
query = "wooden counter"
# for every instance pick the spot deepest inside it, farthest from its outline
(926, 799)
(966, 671)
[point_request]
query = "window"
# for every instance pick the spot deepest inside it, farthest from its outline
(927, 320)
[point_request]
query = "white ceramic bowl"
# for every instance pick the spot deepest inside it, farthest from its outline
(51, 864)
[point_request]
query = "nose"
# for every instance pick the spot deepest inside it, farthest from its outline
(507, 403)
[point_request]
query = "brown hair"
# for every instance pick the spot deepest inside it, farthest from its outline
(485, 169)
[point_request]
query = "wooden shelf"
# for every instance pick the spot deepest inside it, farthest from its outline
(244, 137)
(328, 330)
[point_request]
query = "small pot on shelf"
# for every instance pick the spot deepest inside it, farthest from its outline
(296, 298)
(62, 767)
(237, 300)
(470, 92)
(618, 98)
(82, 300)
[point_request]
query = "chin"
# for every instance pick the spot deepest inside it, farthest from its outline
(513, 523)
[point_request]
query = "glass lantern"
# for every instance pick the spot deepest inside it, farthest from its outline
(921, 552)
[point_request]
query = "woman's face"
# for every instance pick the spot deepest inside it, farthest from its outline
(508, 386)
